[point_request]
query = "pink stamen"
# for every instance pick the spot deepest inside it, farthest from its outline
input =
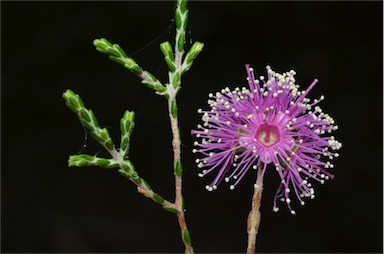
(301, 98)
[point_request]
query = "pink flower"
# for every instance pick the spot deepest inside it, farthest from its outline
(271, 122)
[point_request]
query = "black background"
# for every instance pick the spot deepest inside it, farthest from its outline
(47, 48)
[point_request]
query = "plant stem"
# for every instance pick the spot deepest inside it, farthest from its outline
(254, 216)
(141, 187)
(172, 89)
(178, 178)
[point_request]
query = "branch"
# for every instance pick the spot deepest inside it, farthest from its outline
(117, 54)
(119, 161)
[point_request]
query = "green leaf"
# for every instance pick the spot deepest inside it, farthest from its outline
(118, 60)
(128, 168)
(195, 50)
(103, 134)
(176, 79)
(114, 52)
(187, 236)
(103, 163)
(109, 145)
(185, 21)
(113, 164)
(178, 19)
(155, 86)
(160, 88)
(123, 173)
(182, 5)
(174, 110)
(179, 168)
(136, 69)
(86, 160)
(94, 119)
(84, 115)
(87, 125)
(150, 85)
(127, 125)
(170, 64)
(171, 209)
(85, 157)
(130, 62)
(120, 50)
(180, 42)
(72, 100)
(124, 145)
(158, 198)
(146, 184)
(166, 48)
(153, 78)
(102, 43)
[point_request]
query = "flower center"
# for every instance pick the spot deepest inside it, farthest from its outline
(267, 134)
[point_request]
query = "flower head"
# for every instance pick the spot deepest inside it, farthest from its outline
(271, 122)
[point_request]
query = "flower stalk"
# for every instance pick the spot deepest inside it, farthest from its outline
(254, 216)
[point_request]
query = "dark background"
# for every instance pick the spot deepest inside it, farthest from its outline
(47, 48)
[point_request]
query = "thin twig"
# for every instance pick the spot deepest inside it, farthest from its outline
(178, 187)
(141, 187)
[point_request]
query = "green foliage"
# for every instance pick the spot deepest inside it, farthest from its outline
(180, 41)
(117, 54)
(126, 127)
(179, 168)
(174, 110)
(195, 50)
(146, 184)
(169, 57)
(187, 236)
(182, 4)
(85, 160)
(88, 119)
(158, 198)
(178, 65)
(166, 48)
(171, 209)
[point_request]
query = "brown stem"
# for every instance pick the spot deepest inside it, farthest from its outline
(178, 182)
(254, 216)
(141, 187)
